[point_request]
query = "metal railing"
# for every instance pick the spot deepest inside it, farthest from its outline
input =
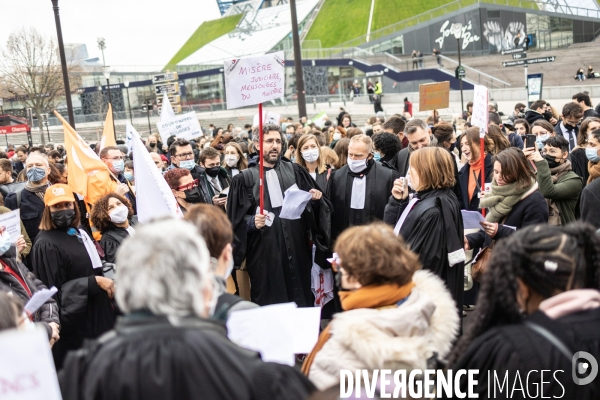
(475, 76)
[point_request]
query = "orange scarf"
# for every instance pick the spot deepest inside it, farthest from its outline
(594, 170)
(374, 296)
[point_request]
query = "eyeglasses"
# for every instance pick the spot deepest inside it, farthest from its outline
(116, 158)
(188, 186)
(272, 141)
(184, 156)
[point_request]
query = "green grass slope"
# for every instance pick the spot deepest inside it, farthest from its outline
(206, 33)
(340, 21)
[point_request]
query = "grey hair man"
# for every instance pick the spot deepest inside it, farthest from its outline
(165, 347)
(419, 135)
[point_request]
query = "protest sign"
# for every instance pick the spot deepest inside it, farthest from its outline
(12, 222)
(254, 80)
(269, 117)
(434, 96)
(185, 126)
(320, 119)
(480, 115)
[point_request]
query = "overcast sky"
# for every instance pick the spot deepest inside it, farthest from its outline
(137, 32)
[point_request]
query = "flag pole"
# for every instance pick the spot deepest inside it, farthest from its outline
(482, 152)
(260, 157)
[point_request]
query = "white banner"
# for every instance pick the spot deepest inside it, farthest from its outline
(480, 115)
(269, 117)
(254, 80)
(185, 126)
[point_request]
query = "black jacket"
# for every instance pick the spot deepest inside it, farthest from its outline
(8, 283)
(146, 357)
(530, 211)
(12, 187)
(579, 163)
(532, 116)
(402, 161)
(463, 178)
(32, 208)
(590, 198)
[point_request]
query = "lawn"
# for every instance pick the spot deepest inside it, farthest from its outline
(340, 21)
(206, 33)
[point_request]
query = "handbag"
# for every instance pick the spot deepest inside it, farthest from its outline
(482, 258)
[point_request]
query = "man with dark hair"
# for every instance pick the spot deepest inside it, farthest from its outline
(290, 129)
(569, 126)
(518, 112)
(21, 154)
(7, 183)
(514, 139)
(395, 125)
(292, 143)
(584, 101)
(466, 114)
(536, 111)
(277, 251)
(214, 180)
(386, 146)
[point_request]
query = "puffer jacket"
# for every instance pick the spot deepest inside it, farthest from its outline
(8, 283)
(402, 337)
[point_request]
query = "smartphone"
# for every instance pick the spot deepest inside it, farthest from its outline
(221, 195)
(530, 141)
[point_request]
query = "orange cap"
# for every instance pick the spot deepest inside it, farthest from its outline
(57, 194)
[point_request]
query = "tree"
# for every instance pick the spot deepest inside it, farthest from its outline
(30, 71)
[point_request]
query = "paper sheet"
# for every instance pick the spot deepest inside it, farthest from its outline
(277, 331)
(294, 203)
(471, 219)
(12, 222)
(39, 298)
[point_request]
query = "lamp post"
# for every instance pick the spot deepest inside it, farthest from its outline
(457, 30)
(298, 62)
(1, 105)
(106, 72)
(63, 63)
(148, 104)
(126, 84)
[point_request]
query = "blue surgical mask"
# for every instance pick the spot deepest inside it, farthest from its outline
(592, 154)
(36, 174)
(128, 176)
(118, 165)
(187, 164)
(377, 156)
(4, 243)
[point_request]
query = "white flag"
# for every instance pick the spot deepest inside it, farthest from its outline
(166, 112)
(153, 195)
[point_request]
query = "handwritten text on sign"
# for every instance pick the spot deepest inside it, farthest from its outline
(480, 109)
(254, 80)
(185, 126)
(434, 96)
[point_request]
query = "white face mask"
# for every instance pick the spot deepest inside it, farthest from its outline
(119, 214)
(231, 160)
(311, 155)
(357, 166)
(337, 136)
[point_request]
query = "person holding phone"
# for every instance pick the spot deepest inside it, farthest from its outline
(215, 179)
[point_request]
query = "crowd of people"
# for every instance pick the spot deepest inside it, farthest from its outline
(146, 304)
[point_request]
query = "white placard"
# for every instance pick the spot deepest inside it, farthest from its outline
(480, 115)
(26, 366)
(185, 126)
(254, 80)
(12, 222)
(269, 117)
(39, 298)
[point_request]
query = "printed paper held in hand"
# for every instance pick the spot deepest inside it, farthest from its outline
(294, 203)
(471, 219)
(277, 331)
(12, 222)
(39, 298)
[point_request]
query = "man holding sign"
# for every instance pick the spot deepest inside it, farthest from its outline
(277, 251)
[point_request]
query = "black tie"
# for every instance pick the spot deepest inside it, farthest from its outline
(572, 143)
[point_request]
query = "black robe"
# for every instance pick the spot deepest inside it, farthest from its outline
(110, 242)
(279, 257)
(380, 180)
(425, 233)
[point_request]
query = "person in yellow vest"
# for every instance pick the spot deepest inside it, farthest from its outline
(378, 88)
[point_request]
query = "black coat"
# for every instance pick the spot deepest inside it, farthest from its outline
(579, 163)
(402, 161)
(110, 242)
(532, 116)
(147, 357)
(517, 347)
(12, 187)
(32, 208)
(463, 178)
(530, 211)
(590, 198)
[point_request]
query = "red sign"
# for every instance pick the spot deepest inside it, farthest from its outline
(22, 128)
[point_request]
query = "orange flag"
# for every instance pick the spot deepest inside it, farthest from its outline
(108, 133)
(88, 175)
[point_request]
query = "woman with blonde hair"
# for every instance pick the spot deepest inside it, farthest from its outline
(308, 156)
(234, 161)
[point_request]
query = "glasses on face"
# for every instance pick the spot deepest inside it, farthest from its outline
(189, 186)
(185, 156)
(272, 141)
(115, 158)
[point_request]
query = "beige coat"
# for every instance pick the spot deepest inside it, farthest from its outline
(393, 338)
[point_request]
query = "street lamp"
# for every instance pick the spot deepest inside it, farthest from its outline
(457, 30)
(106, 72)
(126, 84)
(298, 61)
(1, 105)
(148, 104)
(63, 63)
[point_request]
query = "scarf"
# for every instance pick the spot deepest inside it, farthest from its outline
(570, 302)
(594, 169)
(373, 296)
(39, 191)
(556, 174)
(559, 171)
(501, 200)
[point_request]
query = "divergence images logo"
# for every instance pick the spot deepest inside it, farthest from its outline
(580, 367)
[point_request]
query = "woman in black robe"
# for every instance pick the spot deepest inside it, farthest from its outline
(308, 156)
(111, 215)
(63, 256)
(539, 304)
(430, 222)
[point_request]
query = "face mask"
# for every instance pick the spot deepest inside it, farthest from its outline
(119, 214)
(212, 172)
(543, 138)
(118, 165)
(377, 156)
(552, 163)
(310, 155)
(293, 159)
(231, 161)
(569, 127)
(219, 146)
(4, 243)
(36, 174)
(192, 195)
(187, 164)
(63, 219)
(337, 136)
(452, 146)
(592, 154)
(128, 176)
(547, 115)
(152, 144)
(357, 166)
(288, 136)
